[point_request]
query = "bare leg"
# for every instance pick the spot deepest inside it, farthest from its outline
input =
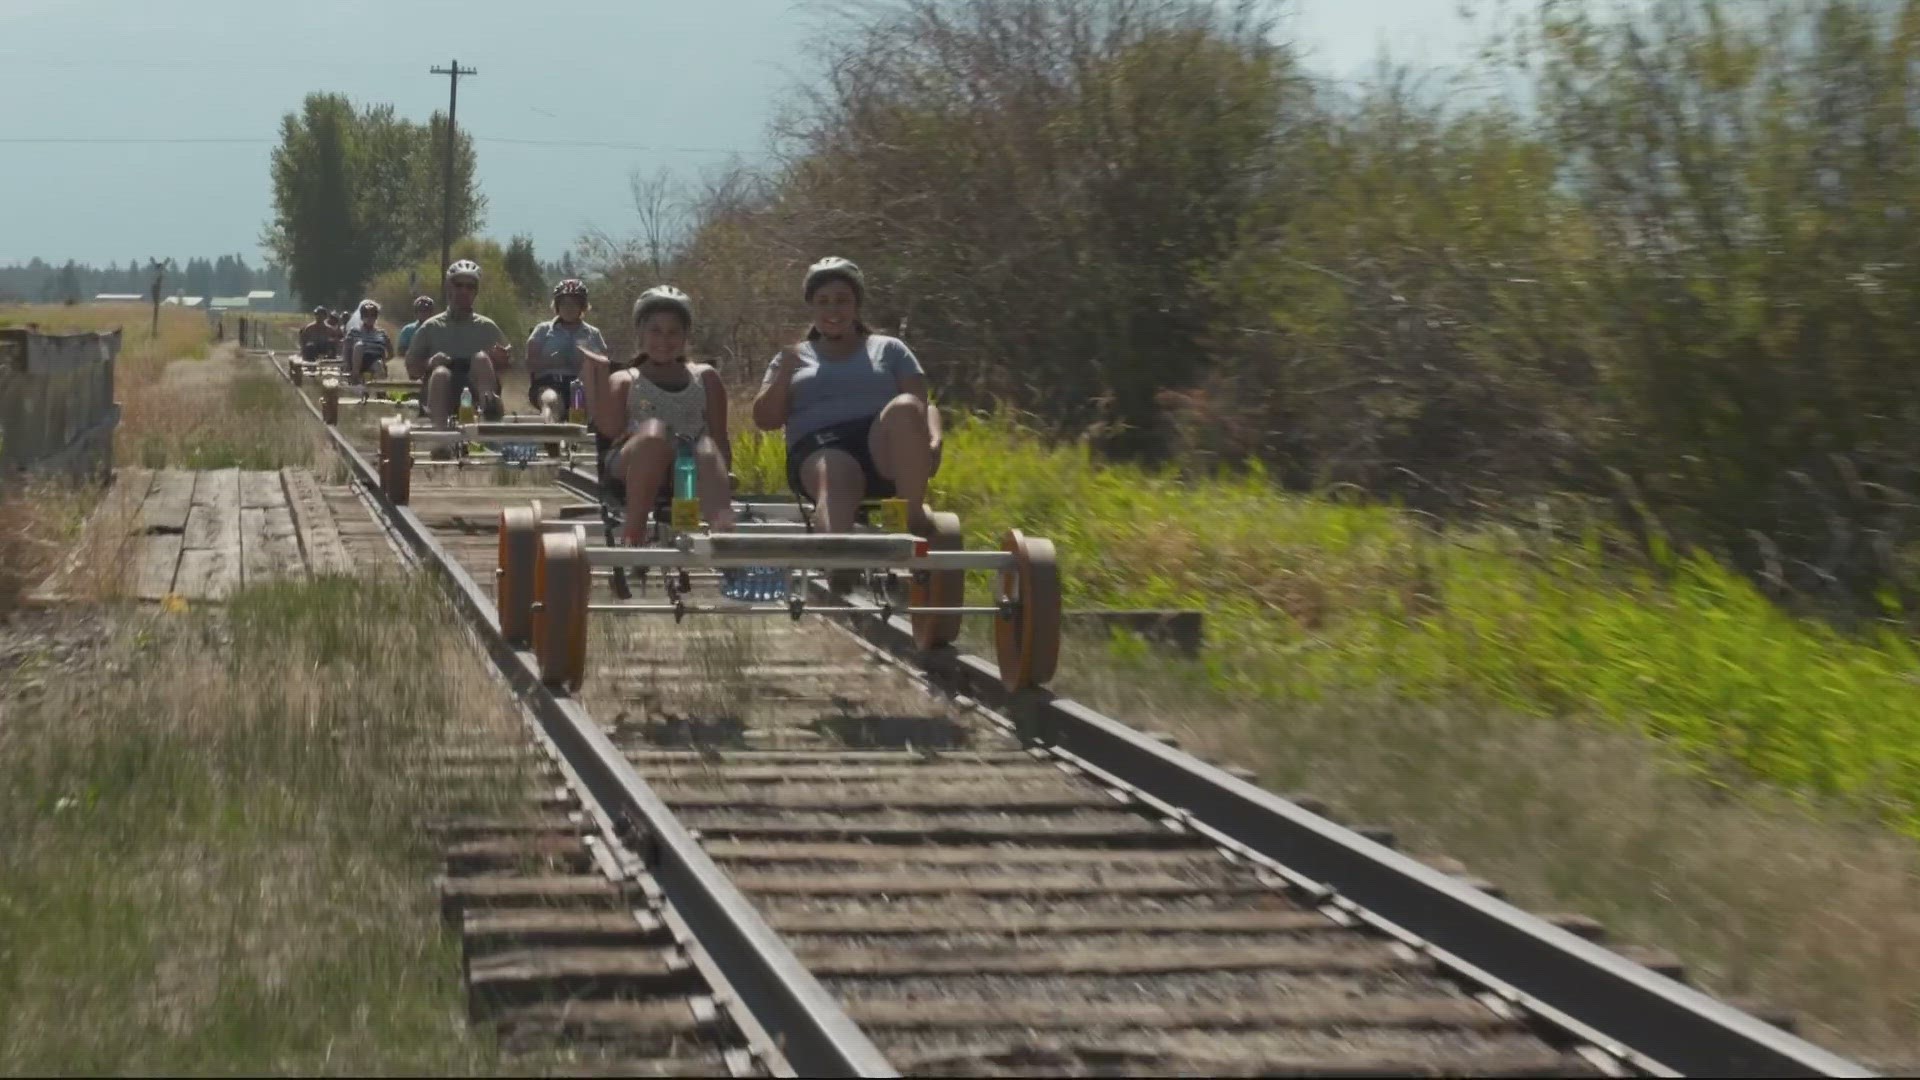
(645, 458)
(832, 478)
(485, 382)
(439, 396)
(716, 494)
(902, 447)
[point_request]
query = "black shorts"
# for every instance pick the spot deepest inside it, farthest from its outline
(316, 350)
(462, 372)
(559, 382)
(851, 436)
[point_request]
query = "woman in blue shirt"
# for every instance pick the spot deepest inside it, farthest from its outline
(854, 406)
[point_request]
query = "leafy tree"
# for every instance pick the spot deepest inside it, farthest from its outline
(199, 280)
(312, 232)
(425, 185)
(356, 194)
(523, 268)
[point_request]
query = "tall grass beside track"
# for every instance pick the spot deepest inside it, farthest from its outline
(1306, 598)
(210, 853)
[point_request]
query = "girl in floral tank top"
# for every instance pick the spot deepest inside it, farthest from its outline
(643, 410)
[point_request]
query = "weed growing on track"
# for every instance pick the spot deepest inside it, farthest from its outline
(210, 848)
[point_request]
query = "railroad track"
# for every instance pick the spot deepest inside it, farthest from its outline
(784, 849)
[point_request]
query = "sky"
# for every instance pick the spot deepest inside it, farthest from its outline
(665, 83)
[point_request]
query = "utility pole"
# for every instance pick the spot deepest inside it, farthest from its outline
(159, 274)
(452, 71)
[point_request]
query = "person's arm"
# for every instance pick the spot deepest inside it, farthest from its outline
(775, 401)
(717, 414)
(536, 344)
(501, 351)
(420, 354)
(619, 390)
(596, 379)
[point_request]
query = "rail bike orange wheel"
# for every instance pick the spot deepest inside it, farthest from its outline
(939, 588)
(560, 577)
(1027, 641)
(513, 577)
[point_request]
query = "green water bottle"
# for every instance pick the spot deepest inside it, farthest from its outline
(684, 484)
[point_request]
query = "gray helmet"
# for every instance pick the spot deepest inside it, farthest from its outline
(464, 268)
(834, 267)
(663, 298)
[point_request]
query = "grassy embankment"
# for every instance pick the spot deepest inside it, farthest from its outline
(1657, 746)
(209, 820)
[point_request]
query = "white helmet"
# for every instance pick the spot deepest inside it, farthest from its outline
(464, 268)
(835, 267)
(663, 298)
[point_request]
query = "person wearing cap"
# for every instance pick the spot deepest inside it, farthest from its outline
(366, 345)
(854, 406)
(316, 338)
(661, 398)
(422, 311)
(554, 349)
(459, 349)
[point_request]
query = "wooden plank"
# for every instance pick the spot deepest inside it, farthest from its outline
(283, 544)
(166, 505)
(256, 561)
(208, 573)
(261, 489)
(213, 521)
(210, 563)
(118, 509)
(320, 542)
(156, 560)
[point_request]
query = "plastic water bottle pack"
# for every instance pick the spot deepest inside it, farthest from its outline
(755, 583)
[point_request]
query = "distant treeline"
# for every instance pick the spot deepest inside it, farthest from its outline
(73, 282)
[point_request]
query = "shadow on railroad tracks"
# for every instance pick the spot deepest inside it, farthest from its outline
(691, 732)
(891, 732)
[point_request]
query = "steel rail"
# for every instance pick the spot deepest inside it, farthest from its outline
(1643, 1018)
(813, 1032)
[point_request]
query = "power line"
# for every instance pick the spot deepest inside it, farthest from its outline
(119, 139)
(583, 144)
